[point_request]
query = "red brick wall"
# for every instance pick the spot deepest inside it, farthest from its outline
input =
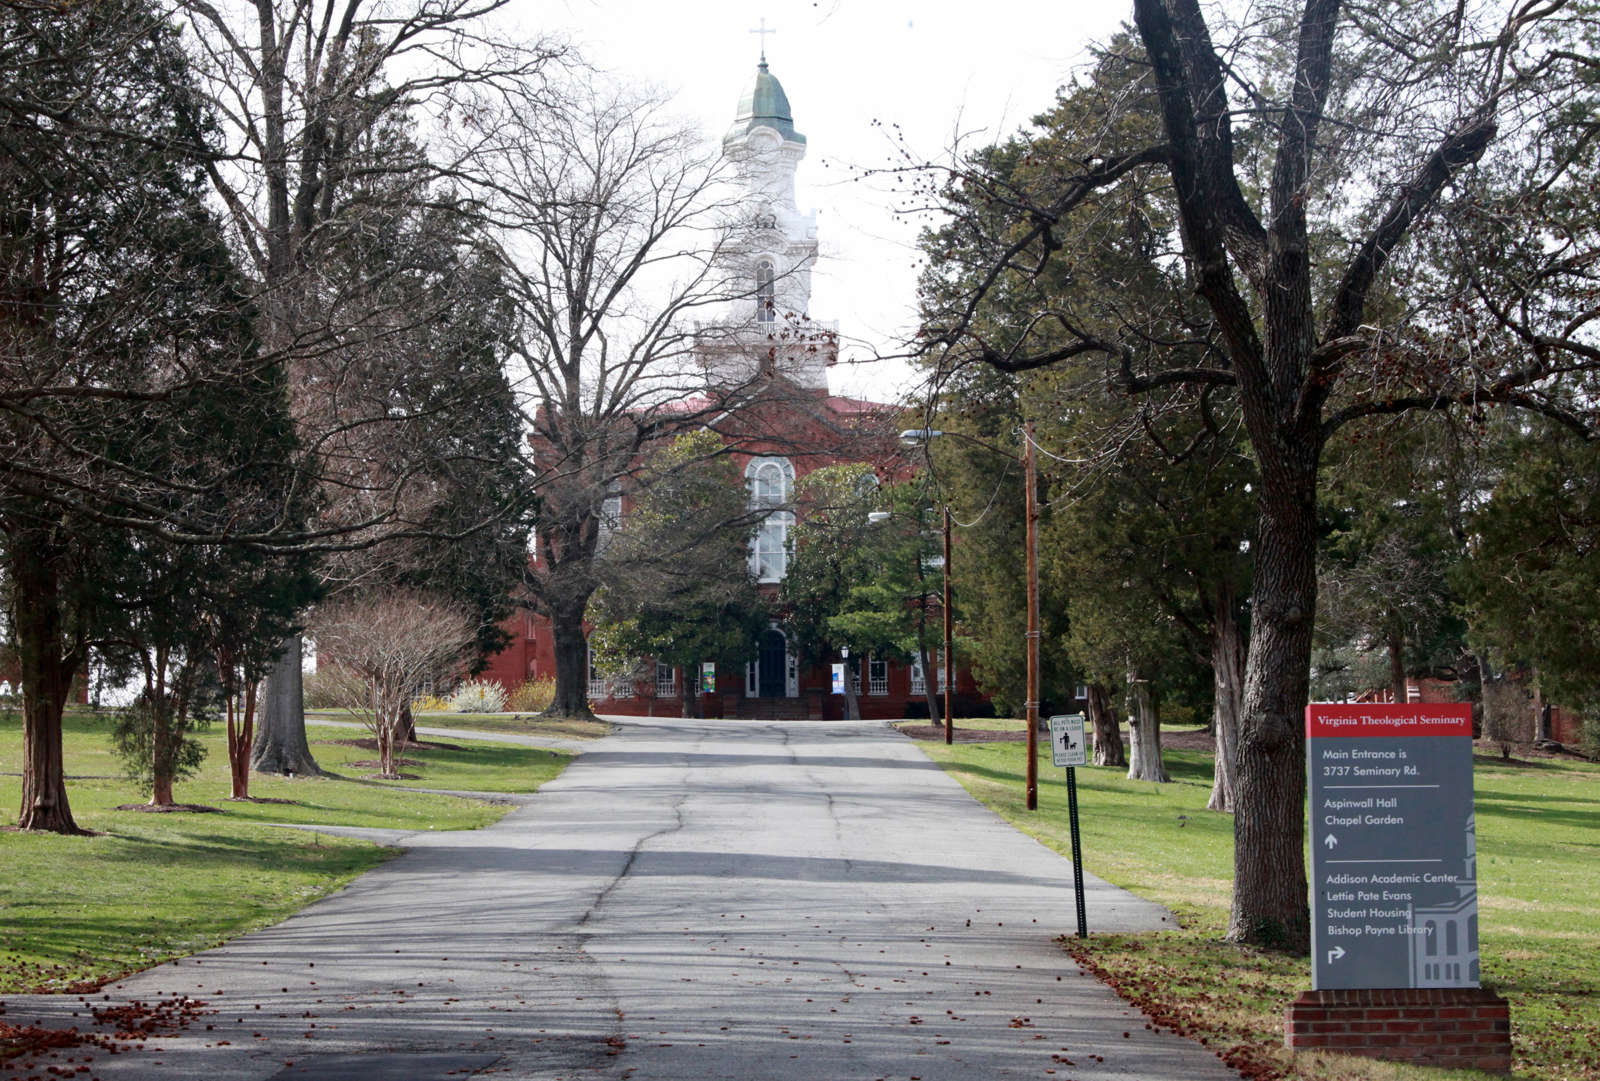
(1456, 1027)
(1565, 728)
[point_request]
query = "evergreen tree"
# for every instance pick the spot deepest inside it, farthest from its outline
(677, 585)
(118, 305)
(1529, 581)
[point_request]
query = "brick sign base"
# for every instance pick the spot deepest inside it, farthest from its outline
(1455, 1027)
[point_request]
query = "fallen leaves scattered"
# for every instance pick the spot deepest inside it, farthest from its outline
(27, 1048)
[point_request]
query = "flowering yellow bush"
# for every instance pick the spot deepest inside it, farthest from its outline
(534, 696)
(429, 703)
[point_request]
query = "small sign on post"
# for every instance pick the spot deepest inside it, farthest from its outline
(1393, 867)
(1068, 748)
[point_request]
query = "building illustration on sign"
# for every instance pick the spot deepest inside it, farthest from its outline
(1444, 937)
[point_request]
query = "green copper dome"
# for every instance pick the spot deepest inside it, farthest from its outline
(765, 105)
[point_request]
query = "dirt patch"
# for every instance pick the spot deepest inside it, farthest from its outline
(170, 808)
(1188, 739)
(962, 735)
(372, 745)
(262, 799)
(373, 763)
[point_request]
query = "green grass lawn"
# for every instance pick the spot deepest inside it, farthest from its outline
(149, 887)
(522, 724)
(1538, 880)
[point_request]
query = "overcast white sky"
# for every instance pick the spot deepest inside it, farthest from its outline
(935, 68)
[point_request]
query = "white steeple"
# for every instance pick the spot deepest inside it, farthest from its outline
(775, 250)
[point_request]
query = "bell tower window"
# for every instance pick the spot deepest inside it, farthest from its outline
(766, 296)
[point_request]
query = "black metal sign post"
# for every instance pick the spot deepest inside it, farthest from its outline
(1067, 749)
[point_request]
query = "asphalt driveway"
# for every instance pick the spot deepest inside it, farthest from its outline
(691, 900)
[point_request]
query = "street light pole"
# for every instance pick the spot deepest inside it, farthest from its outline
(949, 656)
(1031, 502)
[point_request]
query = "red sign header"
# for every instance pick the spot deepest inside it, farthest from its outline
(1382, 720)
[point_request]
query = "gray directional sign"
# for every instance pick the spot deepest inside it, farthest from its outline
(1394, 893)
(1067, 746)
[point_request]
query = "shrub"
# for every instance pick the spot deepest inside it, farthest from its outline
(430, 703)
(534, 696)
(320, 690)
(133, 739)
(1507, 714)
(478, 696)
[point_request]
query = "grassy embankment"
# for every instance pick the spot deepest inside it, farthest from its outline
(1538, 880)
(149, 887)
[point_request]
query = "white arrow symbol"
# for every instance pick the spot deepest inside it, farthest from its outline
(1330, 841)
(1335, 953)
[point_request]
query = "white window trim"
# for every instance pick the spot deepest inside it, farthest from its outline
(775, 568)
(780, 520)
(599, 686)
(877, 686)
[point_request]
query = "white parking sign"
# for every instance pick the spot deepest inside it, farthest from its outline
(1067, 746)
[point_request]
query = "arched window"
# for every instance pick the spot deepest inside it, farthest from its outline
(770, 482)
(769, 486)
(766, 294)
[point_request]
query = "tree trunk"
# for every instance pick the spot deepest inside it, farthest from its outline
(164, 740)
(572, 663)
(241, 733)
(390, 746)
(852, 701)
(281, 745)
(1144, 728)
(1227, 667)
(161, 792)
(930, 687)
(1269, 894)
(46, 679)
(1396, 643)
(689, 690)
(1107, 729)
(407, 727)
(1541, 711)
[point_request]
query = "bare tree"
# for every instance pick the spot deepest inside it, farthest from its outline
(326, 107)
(1379, 209)
(380, 649)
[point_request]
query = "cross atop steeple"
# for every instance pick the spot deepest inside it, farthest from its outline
(763, 31)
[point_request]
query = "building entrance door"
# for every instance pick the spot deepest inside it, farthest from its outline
(772, 664)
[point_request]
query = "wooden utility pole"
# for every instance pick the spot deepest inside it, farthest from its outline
(1031, 501)
(949, 655)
